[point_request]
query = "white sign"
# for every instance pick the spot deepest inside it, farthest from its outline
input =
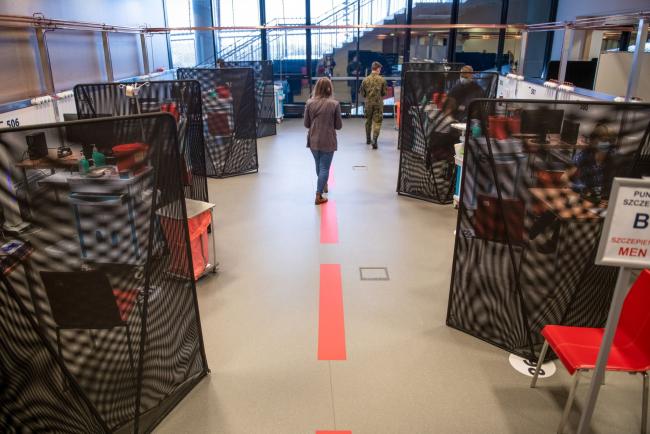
(625, 241)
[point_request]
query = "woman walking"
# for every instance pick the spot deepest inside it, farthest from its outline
(323, 118)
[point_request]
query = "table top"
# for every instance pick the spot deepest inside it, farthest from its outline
(193, 208)
(567, 204)
(49, 163)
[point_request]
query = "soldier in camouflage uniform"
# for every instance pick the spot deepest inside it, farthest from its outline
(373, 88)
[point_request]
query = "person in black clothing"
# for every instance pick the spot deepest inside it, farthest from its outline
(354, 70)
(464, 92)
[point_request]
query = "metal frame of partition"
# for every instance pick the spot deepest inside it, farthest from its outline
(100, 327)
(229, 119)
(531, 208)
(426, 168)
(181, 98)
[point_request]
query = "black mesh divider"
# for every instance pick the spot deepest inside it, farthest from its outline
(431, 67)
(264, 94)
(100, 328)
(535, 187)
(229, 113)
(181, 98)
(431, 103)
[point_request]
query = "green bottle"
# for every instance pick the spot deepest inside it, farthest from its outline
(98, 158)
(84, 165)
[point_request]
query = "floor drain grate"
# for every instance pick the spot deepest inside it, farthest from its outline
(374, 273)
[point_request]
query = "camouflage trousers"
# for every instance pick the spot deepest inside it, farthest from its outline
(374, 116)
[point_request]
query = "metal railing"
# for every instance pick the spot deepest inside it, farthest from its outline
(288, 44)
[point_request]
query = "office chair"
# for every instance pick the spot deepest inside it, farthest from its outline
(85, 300)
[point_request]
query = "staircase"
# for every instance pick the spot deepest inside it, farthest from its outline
(289, 44)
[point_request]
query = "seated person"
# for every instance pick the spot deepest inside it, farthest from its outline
(464, 92)
(441, 137)
(592, 172)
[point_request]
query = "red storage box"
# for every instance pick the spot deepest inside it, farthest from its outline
(198, 229)
(171, 107)
(131, 157)
(223, 91)
(514, 125)
(498, 127)
(219, 124)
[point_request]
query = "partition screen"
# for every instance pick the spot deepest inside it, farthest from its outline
(229, 119)
(535, 190)
(180, 98)
(100, 325)
(432, 102)
(264, 94)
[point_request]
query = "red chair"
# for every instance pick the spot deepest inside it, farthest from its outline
(577, 347)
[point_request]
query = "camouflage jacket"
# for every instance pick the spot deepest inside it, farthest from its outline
(373, 88)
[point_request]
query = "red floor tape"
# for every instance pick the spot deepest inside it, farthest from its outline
(329, 229)
(331, 328)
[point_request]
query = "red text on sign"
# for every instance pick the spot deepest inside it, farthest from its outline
(630, 251)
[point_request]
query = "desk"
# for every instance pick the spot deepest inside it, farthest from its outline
(559, 270)
(70, 163)
(112, 216)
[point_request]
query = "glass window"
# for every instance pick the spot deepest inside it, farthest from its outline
(527, 12)
(478, 47)
(480, 12)
(288, 48)
(385, 46)
(426, 44)
(179, 14)
(238, 45)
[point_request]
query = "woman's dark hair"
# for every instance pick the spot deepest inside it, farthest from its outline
(323, 88)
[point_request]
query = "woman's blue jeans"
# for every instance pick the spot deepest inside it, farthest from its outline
(323, 162)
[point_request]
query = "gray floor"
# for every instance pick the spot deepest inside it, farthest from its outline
(406, 371)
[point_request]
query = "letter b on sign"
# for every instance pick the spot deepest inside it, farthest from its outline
(641, 221)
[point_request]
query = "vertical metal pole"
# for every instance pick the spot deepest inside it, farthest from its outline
(407, 36)
(451, 41)
(567, 43)
(635, 71)
(356, 81)
(620, 292)
(308, 41)
(170, 59)
(522, 52)
(548, 49)
(502, 35)
(215, 49)
(108, 62)
(263, 41)
(44, 56)
(145, 53)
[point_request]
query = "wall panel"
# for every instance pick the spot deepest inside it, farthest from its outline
(20, 76)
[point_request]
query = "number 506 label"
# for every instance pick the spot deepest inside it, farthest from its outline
(10, 123)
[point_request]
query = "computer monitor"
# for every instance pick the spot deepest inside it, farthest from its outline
(97, 134)
(542, 122)
(570, 132)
